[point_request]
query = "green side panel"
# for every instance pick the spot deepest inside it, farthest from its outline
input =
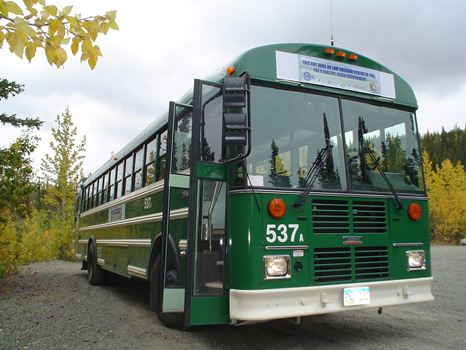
(211, 171)
(209, 310)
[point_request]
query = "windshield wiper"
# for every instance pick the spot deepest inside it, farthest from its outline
(375, 161)
(313, 172)
(317, 166)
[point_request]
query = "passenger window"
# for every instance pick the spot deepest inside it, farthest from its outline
(151, 154)
(161, 161)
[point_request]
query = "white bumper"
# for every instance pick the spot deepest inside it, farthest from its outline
(268, 304)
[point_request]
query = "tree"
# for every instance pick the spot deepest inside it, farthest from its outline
(12, 88)
(46, 27)
(61, 173)
(15, 165)
(446, 188)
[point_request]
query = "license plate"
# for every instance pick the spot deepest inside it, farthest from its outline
(356, 296)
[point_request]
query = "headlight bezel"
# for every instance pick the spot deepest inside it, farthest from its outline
(285, 270)
(411, 259)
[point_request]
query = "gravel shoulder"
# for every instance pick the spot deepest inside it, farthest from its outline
(50, 305)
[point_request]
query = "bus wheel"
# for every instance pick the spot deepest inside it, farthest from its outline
(171, 320)
(95, 274)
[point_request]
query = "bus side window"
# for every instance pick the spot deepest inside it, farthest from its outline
(138, 160)
(111, 188)
(119, 180)
(99, 191)
(128, 173)
(105, 189)
(151, 155)
(161, 161)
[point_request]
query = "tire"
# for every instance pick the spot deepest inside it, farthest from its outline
(170, 320)
(95, 274)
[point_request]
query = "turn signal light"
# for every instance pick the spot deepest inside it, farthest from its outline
(230, 70)
(414, 211)
(276, 208)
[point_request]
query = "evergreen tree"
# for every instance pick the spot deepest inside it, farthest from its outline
(278, 174)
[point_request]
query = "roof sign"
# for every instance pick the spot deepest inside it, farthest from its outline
(312, 70)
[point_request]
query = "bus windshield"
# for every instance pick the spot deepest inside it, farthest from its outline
(292, 130)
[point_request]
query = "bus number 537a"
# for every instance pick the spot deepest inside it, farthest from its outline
(283, 233)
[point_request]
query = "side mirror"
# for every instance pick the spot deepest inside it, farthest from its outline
(236, 124)
(234, 129)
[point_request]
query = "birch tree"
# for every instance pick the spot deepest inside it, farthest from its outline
(61, 172)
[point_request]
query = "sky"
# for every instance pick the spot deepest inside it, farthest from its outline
(162, 46)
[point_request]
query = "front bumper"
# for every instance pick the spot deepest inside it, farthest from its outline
(268, 304)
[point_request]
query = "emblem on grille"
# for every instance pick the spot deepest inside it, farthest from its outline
(352, 240)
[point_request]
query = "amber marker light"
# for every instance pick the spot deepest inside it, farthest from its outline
(276, 208)
(353, 57)
(341, 54)
(230, 70)
(414, 211)
(329, 51)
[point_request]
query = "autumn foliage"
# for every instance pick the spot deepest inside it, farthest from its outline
(38, 25)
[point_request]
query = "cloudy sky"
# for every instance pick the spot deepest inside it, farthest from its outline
(162, 46)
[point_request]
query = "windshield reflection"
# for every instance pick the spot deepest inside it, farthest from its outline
(292, 129)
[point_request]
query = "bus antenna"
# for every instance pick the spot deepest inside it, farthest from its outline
(331, 24)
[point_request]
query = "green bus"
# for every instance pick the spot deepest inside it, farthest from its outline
(288, 183)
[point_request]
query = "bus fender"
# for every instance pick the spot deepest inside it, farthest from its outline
(157, 249)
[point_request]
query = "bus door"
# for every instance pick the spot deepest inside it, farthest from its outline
(193, 246)
(207, 298)
(173, 263)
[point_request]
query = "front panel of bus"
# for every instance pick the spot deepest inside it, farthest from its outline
(328, 212)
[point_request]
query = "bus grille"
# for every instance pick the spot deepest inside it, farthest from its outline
(350, 264)
(333, 216)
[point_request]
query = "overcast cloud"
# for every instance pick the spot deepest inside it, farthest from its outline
(163, 46)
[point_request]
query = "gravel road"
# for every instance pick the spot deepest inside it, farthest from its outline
(51, 306)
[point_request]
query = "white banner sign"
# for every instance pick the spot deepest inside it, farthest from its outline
(312, 70)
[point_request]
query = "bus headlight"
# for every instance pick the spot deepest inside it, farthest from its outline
(277, 266)
(415, 260)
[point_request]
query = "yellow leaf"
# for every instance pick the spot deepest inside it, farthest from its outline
(2, 37)
(53, 27)
(21, 35)
(87, 45)
(11, 39)
(113, 25)
(97, 50)
(19, 48)
(44, 15)
(61, 57)
(28, 30)
(65, 41)
(51, 9)
(14, 8)
(30, 51)
(3, 9)
(75, 45)
(61, 30)
(72, 20)
(110, 15)
(50, 54)
(92, 61)
(104, 27)
(66, 11)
